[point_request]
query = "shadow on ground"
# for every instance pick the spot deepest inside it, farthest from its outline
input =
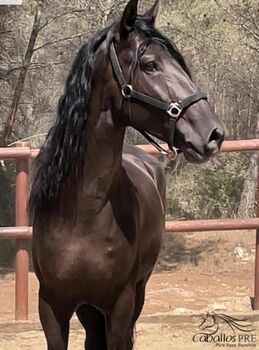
(177, 251)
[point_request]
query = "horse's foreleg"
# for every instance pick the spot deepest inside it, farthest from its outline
(140, 297)
(139, 303)
(94, 324)
(119, 321)
(55, 321)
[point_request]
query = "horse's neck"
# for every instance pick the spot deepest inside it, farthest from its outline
(103, 158)
(103, 161)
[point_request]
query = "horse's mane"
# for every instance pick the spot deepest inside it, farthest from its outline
(61, 158)
(62, 154)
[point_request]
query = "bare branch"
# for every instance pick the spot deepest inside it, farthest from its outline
(58, 17)
(58, 41)
(6, 32)
(20, 83)
(27, 138)
(240, 77)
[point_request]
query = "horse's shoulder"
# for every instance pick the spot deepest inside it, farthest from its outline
(139, 156)
(135, 160)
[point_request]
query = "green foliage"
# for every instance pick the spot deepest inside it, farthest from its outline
(209, 191)
(6, 195)
(6, 215)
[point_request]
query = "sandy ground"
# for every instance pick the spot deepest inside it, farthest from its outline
(149, 337)
(167, 294)
(177, 293)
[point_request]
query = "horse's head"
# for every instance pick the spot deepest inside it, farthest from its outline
(156, 93)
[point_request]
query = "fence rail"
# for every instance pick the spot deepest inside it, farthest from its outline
(25, 152)
(25, 232)
(22, 233)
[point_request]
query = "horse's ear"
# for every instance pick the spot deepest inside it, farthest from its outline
(152, 13)
(128, 18)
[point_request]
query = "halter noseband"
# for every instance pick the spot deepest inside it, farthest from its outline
(173, 109)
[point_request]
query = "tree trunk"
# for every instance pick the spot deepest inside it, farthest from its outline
(247, 203)
(23, 72)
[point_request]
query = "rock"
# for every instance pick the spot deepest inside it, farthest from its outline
(218, 307)
(181, 311)
(231, 304)
(239, 252)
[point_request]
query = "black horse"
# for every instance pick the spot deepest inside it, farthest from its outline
(98, 206)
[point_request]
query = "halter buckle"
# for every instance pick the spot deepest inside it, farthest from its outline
(126, 91)
(174, 110)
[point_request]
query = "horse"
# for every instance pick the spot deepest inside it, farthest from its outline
(97, 205)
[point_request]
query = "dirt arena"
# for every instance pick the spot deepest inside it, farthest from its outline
(220, 282)
(159, 327)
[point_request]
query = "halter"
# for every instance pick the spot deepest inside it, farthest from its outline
(173, 109)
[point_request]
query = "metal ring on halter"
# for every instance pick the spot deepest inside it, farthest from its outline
(126, 91)
(174, 150)
(174, 110)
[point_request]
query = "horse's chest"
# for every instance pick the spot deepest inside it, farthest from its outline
(97, 255)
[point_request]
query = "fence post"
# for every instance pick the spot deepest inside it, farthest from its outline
(256, 278)
(256, 286)
(22, 245)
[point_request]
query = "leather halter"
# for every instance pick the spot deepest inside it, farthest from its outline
(173, 109)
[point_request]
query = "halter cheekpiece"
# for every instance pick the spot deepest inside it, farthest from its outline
(173, 109)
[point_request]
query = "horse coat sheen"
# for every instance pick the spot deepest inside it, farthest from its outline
(108, 242)
(98, 206)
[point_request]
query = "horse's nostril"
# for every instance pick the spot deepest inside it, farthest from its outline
(214, 142)
(216, 135)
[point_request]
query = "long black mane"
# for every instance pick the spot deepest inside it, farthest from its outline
(62, 155)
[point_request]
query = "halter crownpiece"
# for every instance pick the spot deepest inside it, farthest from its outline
(173, 109)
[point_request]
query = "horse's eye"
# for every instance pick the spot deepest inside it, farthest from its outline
(151, 67)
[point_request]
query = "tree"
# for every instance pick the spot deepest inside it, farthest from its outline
(22, 75)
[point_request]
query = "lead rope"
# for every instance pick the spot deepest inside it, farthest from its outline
(171, 154)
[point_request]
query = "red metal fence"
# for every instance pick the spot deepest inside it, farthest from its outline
(22, 233)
